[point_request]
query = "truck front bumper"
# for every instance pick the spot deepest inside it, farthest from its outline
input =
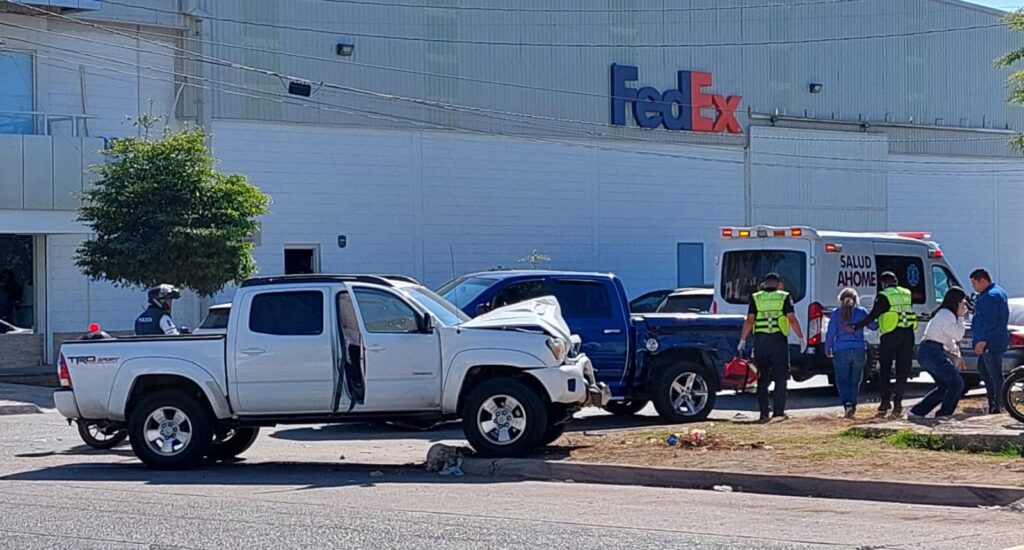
(66, 404)
(574, 383)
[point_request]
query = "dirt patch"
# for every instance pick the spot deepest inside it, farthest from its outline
(819, 445)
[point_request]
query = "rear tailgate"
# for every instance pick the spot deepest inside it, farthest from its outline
(97, 367)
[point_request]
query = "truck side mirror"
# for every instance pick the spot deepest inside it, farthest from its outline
(426, 324)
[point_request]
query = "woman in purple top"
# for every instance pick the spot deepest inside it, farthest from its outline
(847, 348)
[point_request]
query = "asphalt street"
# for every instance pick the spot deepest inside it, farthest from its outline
(349, 487)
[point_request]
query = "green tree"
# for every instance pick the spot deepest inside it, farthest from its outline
(162, 213)
(1015, 21)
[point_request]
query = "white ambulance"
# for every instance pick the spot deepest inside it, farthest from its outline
(816, 265)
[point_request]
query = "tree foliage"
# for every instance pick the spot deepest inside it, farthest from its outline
(162, 213)
(1015, 21)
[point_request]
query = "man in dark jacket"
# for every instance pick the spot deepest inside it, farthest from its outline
(991, 334)
(156, 319)
(897, 322)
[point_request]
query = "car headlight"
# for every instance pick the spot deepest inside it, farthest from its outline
(652, 345)
(558, 348)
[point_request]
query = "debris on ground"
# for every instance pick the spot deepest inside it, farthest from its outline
(723, 488)
(446, 459)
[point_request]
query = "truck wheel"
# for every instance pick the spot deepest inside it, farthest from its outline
(170, 430)
(552, 434)
(232, 443)
(504, 417)
(625, 408)
(683, 392)
(101, 436)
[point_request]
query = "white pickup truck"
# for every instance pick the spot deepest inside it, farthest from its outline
(333, 349)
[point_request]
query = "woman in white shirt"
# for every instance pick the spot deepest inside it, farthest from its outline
(939, 354)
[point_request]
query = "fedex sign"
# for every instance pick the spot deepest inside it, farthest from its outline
(652, 108)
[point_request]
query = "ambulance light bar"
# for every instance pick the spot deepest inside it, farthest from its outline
(919, 235)
(761, 232)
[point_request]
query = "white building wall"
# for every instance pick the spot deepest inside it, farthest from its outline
(973, 213)
(437, 204)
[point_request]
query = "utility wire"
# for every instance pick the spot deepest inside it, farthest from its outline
(349, 110)
(339, 33)
(490, 113)
(530, 87)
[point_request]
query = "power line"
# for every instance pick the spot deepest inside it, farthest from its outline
(587, 11)
(526, 86)
(389, 117)
(340, 33)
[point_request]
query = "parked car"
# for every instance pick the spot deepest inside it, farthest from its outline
(331, 349)
(1014, 356)
(216, 321)
(674, 360)
(649, 301)
(688, 300)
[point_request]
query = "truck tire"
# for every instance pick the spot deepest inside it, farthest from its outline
(683, 392)
(101, 436)
(170, 430)
(552, 434)
(232, 443)
(626, 408)
(503, 417)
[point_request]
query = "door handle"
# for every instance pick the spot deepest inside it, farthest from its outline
(375, 348)
(254, 351)
(612, 331)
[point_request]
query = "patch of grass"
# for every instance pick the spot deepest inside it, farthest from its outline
(907, 439)
(1010, 450)
(858, 433)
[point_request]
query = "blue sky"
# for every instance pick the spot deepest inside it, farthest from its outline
(1001, 4)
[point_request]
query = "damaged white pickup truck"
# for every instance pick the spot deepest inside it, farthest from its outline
(333, 349)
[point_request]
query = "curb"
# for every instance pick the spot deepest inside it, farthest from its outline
(19, 409)
(951, 440)
(784, 485)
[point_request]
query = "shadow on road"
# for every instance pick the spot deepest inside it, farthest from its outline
(301, 475)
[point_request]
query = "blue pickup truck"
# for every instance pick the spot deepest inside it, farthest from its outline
(674, 360)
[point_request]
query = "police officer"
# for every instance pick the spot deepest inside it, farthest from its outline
(894, 310)
(771, 316)
(156, 320)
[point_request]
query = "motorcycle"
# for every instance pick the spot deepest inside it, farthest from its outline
(1013, 393)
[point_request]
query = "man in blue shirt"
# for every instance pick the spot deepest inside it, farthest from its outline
(991, 334)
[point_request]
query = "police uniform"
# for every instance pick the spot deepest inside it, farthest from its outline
(770, 309)
(154, 322)
(896, 325)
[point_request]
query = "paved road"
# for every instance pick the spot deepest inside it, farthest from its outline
(294, 490)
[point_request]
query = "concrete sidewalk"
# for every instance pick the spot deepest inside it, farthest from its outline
(22, 399)
(992, 432)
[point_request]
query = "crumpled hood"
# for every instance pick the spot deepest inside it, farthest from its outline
(543, 313)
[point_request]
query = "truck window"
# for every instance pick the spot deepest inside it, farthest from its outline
(942, 281)
(287, 313)
(464, 290)
(742, 271)
(910, 271)
(583, 299)
(520, 291)
(383, 312)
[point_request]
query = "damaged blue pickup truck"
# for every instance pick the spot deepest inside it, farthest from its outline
(674, 360)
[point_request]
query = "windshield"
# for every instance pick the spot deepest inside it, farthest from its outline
(445, 312)
(217, 318)
(687, 303)
(742, 271)
(464, 290)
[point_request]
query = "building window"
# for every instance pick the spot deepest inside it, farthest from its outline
(17, 312)
(301, 259)
(17, 97)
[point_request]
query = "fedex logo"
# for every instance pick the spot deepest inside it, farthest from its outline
(652, 108)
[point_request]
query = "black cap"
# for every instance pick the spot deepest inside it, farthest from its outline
(772, 277)
(888, 276)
